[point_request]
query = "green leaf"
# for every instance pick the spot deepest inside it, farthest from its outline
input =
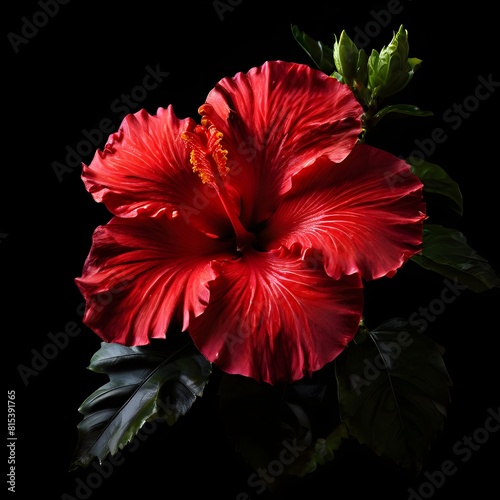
(393, 392)
(321, 54)
(402, 109)
(414, 63)
(445, 251)
(321, 452)
(436, 180)
(145, 383)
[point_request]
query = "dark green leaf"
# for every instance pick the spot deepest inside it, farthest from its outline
(321, 54)
(271, 424)
(446, 252)
(267, 425)
(436, 180)
(393, 392)
(145, 383)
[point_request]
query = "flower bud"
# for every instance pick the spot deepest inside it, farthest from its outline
(390, 70)
(345, 56)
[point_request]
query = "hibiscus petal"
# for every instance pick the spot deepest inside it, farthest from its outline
(365, 214)
(275, 120)
(143, 273)
(275, 317)
(145, 169)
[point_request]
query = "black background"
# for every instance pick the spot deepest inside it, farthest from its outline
(63, 81)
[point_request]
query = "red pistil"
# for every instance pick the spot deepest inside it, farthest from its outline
(209, 160)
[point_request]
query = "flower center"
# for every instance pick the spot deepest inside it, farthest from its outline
(209, 160)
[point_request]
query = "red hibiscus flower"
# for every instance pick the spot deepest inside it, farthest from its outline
(254, 229)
